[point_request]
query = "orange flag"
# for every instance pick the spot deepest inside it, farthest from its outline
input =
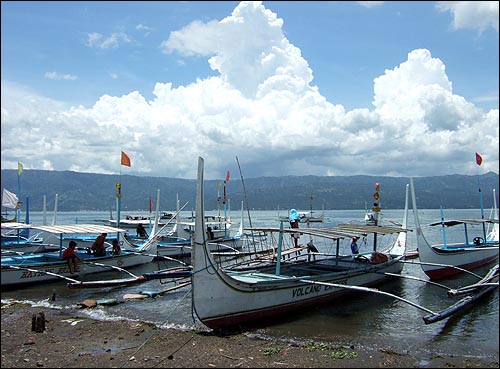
(227, 176)
(125, 159)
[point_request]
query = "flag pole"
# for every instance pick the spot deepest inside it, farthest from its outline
(482, 207)
(118, 198)
(124, 160)
(479, 161)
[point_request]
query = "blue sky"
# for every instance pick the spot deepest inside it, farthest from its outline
(290, 87)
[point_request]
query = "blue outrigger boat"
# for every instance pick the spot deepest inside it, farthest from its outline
(29, 268)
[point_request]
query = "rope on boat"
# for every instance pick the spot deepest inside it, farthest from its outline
(157, 330)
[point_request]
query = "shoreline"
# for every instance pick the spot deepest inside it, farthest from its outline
(73, 340)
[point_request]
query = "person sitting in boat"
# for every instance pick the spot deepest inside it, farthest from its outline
(141, 232)
(210, 233)
(70, 255)
(98, 247)
(354, 246)
(116, 247)
(294, 223)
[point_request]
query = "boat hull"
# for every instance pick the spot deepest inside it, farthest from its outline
(49, 267)
(236, 303)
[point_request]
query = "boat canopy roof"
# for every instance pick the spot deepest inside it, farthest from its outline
(191, 224)
(15, 225)
(454, 222)
(66, 229)
(339, 232)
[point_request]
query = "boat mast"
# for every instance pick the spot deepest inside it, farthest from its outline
(443, 227)
(19, 171)
(54, 218)
(376, 211)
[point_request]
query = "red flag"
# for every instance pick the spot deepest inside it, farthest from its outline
(150, 205)
(227, 176)
(479, 159)
(125, 159)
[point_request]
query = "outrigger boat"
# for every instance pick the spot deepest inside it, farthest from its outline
(226, 298)
(23, 269)
(447, 259)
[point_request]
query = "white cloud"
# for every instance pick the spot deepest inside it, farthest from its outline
(58, 76)
(253, 64)
(141, 27)
(472, 14)
(95, 39)
(370, 4)
(261, 107)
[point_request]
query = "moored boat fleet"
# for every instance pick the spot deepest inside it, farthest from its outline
(239, 275)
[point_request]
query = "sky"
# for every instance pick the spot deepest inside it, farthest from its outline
(263, 88)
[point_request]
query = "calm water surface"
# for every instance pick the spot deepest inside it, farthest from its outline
(361, 318)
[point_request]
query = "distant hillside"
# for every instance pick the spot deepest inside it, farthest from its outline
(84, 191)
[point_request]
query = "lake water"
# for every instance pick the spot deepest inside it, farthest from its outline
(361, 318)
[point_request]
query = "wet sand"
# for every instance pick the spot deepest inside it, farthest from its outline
(74, 341)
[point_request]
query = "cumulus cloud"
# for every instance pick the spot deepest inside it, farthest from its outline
(263, 107)
(472, 14)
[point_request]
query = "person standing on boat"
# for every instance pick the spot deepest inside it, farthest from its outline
(70, 255)
(354, 246)
(98, 246)
(294, 223)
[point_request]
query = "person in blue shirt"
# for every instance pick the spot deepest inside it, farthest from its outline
(294, 218)
(354, 246)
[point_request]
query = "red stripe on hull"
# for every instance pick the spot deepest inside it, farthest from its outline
(448, 272)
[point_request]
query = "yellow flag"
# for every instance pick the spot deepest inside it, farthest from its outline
(19, 168)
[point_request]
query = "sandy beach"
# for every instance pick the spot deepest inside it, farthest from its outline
(72, 340)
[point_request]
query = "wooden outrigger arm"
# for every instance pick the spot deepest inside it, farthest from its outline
(368, 289)
(109, 266)
(442, 265)
(484, 286)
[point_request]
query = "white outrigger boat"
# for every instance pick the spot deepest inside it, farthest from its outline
(447, 259)
(227, 298)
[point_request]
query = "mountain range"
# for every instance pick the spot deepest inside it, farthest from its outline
(97, 192)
